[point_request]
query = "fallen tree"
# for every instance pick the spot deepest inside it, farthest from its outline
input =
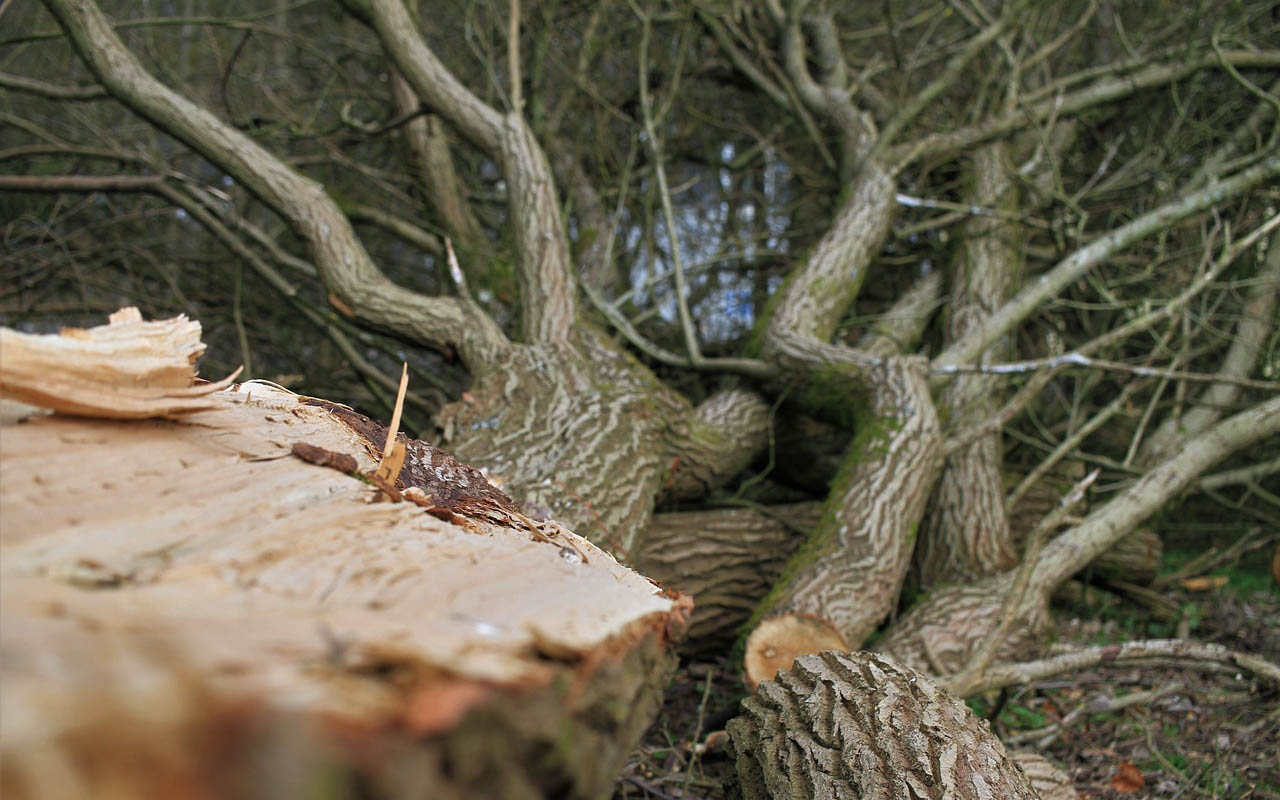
(1090, 236)
(230, 596)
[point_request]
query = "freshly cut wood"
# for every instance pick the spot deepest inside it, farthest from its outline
(776, 643)
(857, 725)
(218, 605)
(127, 369)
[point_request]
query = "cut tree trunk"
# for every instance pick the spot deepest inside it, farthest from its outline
(860, 726)
(227, 604)
(846, 578)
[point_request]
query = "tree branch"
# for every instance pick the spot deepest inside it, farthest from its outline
(342, 260)
(1192, 653)
(1105, 90)
(52, 91)
(966, 350)
(548, 304)
(1071, 551)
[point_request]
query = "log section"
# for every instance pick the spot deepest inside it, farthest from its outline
(190, 609)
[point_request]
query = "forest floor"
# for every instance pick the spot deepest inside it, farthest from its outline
(1165, 732)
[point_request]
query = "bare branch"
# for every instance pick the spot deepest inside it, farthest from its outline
(1250, 337)
(664, 193)
(1105, 90)
(1000, 322)
(52, 91)
(513, 56)
(342, 260)
(548, 304)
(1074, 549)
(955, 68)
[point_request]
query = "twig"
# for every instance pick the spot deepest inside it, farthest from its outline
(1171, 651)
(997, 421)
(963, 683)
(513, 57)
(1071, 443)
(237, 316)
(742, 366)
(1043, 737)
(1079, 360)
(1213, 558)
(664, 194)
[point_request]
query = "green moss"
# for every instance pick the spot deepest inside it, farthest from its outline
(755, 342)
(834, 394)
(911, 534)
(870, 441)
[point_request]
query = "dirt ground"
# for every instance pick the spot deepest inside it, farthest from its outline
(1166, 732)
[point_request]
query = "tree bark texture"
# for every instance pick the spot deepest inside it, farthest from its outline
(590, 437)
(859, 725)
(727, 559)
(1049, 782)
(939, 634)
(849, 572)
(966, 531)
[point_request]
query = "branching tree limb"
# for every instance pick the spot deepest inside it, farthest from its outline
(337, 253)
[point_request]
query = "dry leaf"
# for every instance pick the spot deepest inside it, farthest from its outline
(341, 306)
(439, 707)
(1204, 583)
(1127, 779)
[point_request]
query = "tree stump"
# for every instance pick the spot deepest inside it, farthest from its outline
(227, 604)
(857, 725)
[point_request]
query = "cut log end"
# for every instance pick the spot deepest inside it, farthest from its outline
(214, 606)
(778, 641)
